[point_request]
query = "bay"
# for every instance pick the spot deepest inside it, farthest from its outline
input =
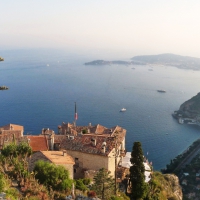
(44, 84)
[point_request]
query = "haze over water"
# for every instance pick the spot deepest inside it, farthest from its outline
(44, 84)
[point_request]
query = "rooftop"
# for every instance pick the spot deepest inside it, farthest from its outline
(37, 143)
(97, 139)
(58, 157)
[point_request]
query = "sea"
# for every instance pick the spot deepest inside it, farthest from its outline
(45, 84)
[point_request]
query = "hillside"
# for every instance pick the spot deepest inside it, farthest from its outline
(191, 107)
(184, 62)
(189, 111)
(165, 186)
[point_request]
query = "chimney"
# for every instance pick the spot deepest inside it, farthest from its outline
(52, 141)
(64, 153)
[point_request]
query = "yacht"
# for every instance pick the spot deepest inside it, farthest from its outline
(123, 110)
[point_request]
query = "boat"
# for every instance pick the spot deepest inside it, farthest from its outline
(163, 91)
(123, 110)
(3, 87)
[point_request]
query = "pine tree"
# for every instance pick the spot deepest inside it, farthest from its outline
(103, 184)
(137, 177)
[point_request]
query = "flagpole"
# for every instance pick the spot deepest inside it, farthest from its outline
(75, 115)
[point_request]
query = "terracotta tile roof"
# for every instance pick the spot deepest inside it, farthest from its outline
(57, 157)
(37, 143)
(100, 140)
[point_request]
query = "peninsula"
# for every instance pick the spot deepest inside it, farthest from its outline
(1, 59)
(189, 111)
(116, 62)
(182, 62)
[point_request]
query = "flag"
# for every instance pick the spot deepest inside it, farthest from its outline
(76, 114)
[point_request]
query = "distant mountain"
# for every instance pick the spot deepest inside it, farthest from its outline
(116, 62)
(184, 62)
(1, 59)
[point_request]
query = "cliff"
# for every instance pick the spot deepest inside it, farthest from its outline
(166, 187)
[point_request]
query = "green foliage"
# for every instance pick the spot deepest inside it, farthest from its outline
(55, 177)
(15, 157)
(80, 185)
(137, 177)
(103, 184)
(2, 182)
(84, 131)
(86, 181)
(161, 186)
(121, 196)
(12, 194)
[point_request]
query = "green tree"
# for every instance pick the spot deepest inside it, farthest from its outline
(104, 184)
(80, 185)
(55, 177)
(137, 177)
(15, 156)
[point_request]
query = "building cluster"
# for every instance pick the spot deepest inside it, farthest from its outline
(82, 150)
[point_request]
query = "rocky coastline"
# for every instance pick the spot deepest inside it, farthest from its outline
(189, 111)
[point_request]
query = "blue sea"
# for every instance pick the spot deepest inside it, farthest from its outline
(44, 84)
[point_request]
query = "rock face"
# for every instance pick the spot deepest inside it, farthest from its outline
(173, 186)
(165, 186)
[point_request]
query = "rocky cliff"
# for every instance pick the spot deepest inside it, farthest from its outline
(166, 187)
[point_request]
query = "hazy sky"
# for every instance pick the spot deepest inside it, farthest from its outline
(126, 27)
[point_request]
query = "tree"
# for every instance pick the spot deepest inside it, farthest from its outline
(53, 176)
(15, 156)
(103, 184)
(137, 177)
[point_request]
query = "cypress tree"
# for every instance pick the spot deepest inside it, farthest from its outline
(137, 177)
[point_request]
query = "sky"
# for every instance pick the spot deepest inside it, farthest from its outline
(123, 28)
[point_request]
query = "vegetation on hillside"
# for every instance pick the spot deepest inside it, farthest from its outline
(52, 176)
(51, 182)
(191, 105)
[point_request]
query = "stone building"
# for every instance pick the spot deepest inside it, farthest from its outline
(92, 147)
(56, 157)
(10, 133)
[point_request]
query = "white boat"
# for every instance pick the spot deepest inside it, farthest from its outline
(123, 110)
